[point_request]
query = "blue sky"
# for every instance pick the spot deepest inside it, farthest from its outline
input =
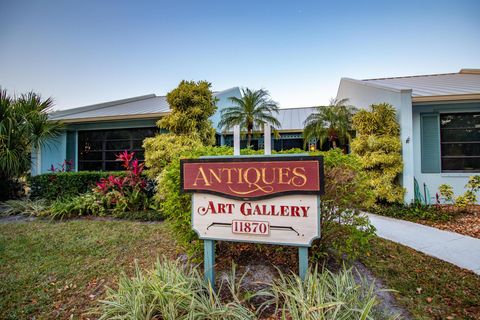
(85, 52)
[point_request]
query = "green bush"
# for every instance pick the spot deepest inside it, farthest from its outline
(66, 184)
(379, 147)
(344, 228)
(413, 212)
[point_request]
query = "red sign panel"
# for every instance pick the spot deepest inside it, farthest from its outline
(253, 178)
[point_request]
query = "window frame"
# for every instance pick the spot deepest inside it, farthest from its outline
(104, 150)
(442, 143)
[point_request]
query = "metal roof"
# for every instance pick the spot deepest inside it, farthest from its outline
(467, 81)
(293, 118)
(147, 105)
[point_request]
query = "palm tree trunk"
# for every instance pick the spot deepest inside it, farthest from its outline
(334, 144)
(249, 138)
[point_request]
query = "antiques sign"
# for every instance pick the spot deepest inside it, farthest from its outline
(255, 199)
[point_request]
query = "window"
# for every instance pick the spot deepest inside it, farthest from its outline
(286, 144)
(460, 142)
(97, 149)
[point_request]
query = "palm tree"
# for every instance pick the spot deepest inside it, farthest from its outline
(24, 125)
(332, 123)
(254, 110)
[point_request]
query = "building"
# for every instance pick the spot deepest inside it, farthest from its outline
(439, 116)
(95, 134)
(440, 125)
(290, 134)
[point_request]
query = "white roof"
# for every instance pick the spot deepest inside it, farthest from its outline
(467, 81)
(147, 105)
(293, 118)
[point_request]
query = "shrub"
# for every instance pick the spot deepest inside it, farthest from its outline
(379, 147)
(446, 191)
(345, 230)
(113, 195)
(25, 207)
(170, 291)
(413, 212)
(461, 202)
(164, 148)
(323, 295)
(65, 184)
(191, 104)
(173, 290)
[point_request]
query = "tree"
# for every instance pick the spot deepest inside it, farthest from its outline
(379, 147)
(192, 104)
(254, 110)
(332, 123)
(24, 125)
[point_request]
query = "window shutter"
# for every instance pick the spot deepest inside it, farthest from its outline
(430, 143)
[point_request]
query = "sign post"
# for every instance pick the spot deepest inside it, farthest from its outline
(259, 199)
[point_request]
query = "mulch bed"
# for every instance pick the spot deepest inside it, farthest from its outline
(465, 221)
(466, 224)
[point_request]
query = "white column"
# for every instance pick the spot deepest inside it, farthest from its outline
(267, 139)
(236, 140)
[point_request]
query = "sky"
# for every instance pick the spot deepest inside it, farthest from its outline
(86, 52)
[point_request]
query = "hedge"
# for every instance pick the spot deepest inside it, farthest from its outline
(66, 184)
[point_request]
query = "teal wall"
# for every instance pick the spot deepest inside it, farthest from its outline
(426, 146)
(53, 152)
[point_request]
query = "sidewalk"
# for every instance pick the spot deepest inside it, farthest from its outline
(460, 250)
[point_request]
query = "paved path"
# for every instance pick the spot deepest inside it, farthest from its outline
(460, 250)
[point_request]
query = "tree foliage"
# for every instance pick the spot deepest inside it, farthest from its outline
(332, 123)
(379, 147)
(192, 104)
(24, 124)
(254, 110)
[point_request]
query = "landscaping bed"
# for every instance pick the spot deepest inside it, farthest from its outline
(466, 224)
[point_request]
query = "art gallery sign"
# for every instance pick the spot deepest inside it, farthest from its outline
(260, 199)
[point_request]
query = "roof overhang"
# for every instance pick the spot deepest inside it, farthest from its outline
(456, 97)
(114, 118)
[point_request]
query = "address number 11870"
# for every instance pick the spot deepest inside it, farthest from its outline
(251, 227)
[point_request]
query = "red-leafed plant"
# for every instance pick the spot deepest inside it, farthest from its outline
(125, 193)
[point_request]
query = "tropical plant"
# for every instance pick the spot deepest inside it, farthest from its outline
(25, 207)
(113, 195)
(468, 198)
(323, 295)
(170, 291)
(380, 149)
(191, 104)
(254, 110)
(332, 123)
(173, 290)
(24, 125)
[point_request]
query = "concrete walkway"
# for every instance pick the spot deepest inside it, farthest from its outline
(460, 250)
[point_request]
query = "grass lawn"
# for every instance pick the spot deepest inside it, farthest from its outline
(56, 269)
(428, 287)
